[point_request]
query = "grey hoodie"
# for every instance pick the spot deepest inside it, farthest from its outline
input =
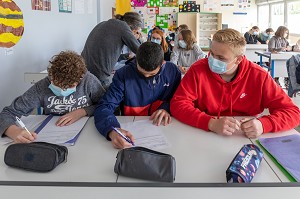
(88, 93)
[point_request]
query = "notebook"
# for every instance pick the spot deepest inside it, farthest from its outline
(285, 151)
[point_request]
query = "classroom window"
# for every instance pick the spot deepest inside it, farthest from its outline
(263, 17)
(277, 15)
(293, 11)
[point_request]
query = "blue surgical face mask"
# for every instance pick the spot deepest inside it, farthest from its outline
(218, 66)
(182, 44)
(265, 34)
(60, 92)
(158, 41)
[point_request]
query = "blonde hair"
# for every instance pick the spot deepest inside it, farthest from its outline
(233, 38)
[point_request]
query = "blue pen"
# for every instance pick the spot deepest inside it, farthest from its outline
(122, 135)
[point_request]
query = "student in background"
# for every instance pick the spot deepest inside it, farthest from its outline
(69, 90)
(174, 36)
(225, 85)
(265, 36)
(187, 52)
(252, 35)
(104, 44)
(144, 87)
(158, 37)
(279, 42)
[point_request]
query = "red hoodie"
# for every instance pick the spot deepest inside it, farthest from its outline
(203, 94)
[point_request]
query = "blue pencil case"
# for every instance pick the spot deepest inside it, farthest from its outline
(244, 165)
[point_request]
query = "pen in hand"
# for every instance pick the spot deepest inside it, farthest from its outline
(122, 135)
(22, 125)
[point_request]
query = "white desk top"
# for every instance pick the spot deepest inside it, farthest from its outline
(256, 47)
(277, 56)
(91, 159)
(203, 157)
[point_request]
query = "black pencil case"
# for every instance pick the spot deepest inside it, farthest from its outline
(143, 163)
(35, 156)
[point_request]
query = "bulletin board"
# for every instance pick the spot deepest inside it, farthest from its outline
(156, 13)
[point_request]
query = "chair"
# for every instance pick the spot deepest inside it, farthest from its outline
(291, 65)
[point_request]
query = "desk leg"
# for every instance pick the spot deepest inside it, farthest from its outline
(272, 68)
(260, 60)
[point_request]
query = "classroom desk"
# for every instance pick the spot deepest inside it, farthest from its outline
(278, 62)
(91, 159)
(252, 48)
(201, 158)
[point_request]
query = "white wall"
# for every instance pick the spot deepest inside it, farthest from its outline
(106, 9)
(46, 33)
(238, 22)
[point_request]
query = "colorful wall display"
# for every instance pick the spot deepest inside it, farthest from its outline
(65, 6)
(189, 6)
(138, 3)
(11, 23)
(44, 5)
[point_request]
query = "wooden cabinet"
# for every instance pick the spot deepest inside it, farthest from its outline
(203, 25)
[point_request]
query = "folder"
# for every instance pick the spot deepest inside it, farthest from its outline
(285, 153)
(66, 135)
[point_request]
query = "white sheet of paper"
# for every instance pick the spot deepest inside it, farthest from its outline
(59, 135)
(146, 134)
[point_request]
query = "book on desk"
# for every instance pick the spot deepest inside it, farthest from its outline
(285, 153)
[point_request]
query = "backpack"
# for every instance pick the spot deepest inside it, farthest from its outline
(293, 69)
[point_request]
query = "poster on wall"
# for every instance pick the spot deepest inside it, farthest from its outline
(162, 21)
(65, 6)
(138, 3)
(11, 24)
(211, 5)
(243, 5)
(44, 5)
(227, 4)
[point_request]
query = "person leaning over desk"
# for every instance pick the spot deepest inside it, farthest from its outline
(225, 85)
(69, 90)
(144, 86)
(105, 42)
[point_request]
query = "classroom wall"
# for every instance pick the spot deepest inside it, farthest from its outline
(46, 33)
(106, 9)
(243, 23)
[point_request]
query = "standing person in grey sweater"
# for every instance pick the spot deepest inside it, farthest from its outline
(69, 90)
(187, 52)
(104, 44)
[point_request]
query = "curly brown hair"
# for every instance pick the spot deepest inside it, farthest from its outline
(66, 69)
(189, 38)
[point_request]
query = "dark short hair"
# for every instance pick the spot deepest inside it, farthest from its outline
(269, 30)
(133, 19)
(149, 56)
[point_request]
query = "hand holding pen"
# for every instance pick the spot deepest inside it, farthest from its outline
(20, 134)
(121, 138)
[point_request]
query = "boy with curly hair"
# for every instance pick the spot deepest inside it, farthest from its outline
(69, 90)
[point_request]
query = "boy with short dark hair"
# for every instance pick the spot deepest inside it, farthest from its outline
(145, 86)
(69, 90)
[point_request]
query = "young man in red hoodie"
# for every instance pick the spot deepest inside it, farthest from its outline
(225, 85)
